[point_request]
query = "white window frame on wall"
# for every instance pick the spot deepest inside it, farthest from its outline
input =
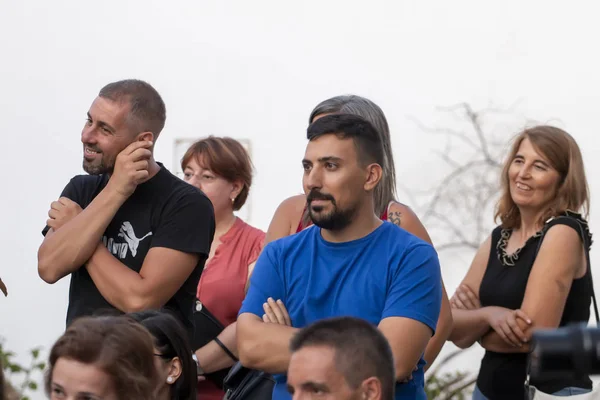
(181, 145)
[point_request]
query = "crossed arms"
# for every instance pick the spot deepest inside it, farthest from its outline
(285, 222)
(265, 346)
(74, 240)
(503, 330)
(74, 236)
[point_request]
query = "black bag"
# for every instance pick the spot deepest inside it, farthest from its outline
(242, 383)
(206, 328)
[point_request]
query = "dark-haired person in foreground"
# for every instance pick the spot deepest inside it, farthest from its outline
(132, 235)
(177, 377)
(341, 358)
(350, 263)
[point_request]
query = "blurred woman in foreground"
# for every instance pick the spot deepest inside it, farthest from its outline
(176, 368)
(108, 358)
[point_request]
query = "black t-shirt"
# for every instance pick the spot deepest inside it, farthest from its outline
(502, 375)
(162, 212)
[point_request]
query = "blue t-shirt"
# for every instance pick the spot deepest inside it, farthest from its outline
(388, 273)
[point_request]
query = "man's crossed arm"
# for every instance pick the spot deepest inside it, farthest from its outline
(265, 346)
(74, 233)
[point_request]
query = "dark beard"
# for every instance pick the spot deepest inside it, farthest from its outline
(333, 221)
(100, 169)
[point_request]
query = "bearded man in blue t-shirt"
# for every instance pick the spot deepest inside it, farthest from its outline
(349, 263)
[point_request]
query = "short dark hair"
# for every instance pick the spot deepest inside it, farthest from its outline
(385, 191)
(171, 340)
(227, 158)
(361, 350)
(119, 346)
(366, 138)
(147, 111)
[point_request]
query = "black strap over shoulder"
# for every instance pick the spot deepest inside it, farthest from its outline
(584, 235)
(225, 349)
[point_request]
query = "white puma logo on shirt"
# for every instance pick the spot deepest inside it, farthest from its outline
(127, 233)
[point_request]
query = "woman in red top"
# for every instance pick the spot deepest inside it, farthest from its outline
(292, 215)
(222, 169)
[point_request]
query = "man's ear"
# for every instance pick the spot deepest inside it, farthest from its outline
(371, 389)
(145, 137)
(374, 172)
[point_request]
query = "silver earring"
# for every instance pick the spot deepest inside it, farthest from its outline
(170, 379)
(233, 200)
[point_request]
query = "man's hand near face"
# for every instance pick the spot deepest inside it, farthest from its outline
(66, 249)
(131, 168)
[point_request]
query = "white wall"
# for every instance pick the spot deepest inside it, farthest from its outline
(255, 69)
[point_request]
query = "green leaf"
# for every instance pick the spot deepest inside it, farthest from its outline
(32, 385)
(15, 368)
(35, 353)
(41, 366)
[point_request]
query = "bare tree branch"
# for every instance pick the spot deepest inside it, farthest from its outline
(445, 157)
(442, 362)
(458, 207)
(453, 109)
(447, 180)
(460, 389)
(445, 131)
(409, 193)
(475, 121)
(451, 226)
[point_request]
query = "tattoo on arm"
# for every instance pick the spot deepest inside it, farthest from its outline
(394, 217)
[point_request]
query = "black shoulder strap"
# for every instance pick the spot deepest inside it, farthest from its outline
(225, 349)
(591, 281)
(589, 265)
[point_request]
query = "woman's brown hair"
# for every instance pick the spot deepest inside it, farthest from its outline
(118, 345)
(227, 158)
(564, 155)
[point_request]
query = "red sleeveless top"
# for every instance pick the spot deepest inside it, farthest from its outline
(222, 283)
(301, 226)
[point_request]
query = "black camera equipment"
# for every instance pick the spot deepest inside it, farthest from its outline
(572, 350)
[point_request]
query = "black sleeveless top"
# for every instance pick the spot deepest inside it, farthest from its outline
(503, 375)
